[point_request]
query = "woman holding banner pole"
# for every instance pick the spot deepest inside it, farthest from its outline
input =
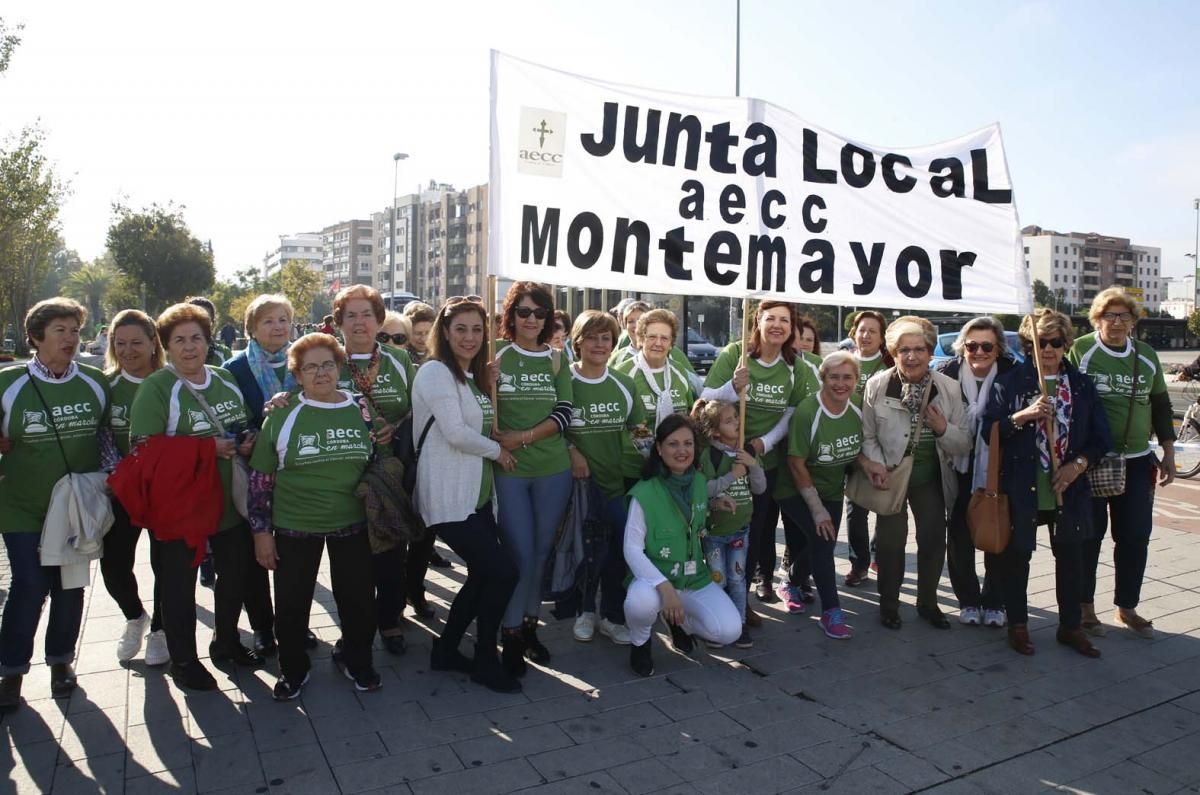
(774, 387)
(534, 403)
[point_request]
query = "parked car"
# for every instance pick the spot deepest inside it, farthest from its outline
(944, 351)
(700, 352)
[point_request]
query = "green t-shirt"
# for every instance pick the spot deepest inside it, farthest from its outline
(123, 388)
(1112, 373)
(724, 523)
(163, 406)
(391, 396)
(606, 409)
(925, 466)
(773, 389)
(827, 442)
(317, 452)
(487, 475)
(866, 369)
(528, 390)
(78, 408)
(648, 389)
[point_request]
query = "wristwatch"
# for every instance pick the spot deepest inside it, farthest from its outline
(1083, 464)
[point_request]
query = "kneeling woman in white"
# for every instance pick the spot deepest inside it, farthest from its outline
(667, 512)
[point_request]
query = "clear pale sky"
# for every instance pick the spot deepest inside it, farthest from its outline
(271, 118)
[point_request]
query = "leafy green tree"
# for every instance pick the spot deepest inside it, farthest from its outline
(156, 248)
(1042, 295)
(89, 285)
(1193, 323)
(8, 43)
(30, 197)
(123, 293)
(301, 284)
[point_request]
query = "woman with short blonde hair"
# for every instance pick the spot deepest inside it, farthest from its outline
(1113, 358)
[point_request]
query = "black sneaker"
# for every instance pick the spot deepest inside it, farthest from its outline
(683, 642)
(365, 680)
(439, 562)
(310, 639)
(285, 689)
(744, 640)
(395, 644)
(208, 574)
(192, 676)
(640, 660)
(265, 645)
(237, 653)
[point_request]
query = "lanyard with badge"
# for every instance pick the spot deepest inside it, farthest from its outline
(689, 566)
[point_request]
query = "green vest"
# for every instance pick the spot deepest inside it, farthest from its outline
(671, 543)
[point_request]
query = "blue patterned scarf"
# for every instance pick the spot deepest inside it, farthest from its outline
(263, 364)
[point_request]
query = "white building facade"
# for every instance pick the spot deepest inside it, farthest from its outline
(305, 246)
(1078, 265)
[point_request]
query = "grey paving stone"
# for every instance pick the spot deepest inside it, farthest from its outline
(167, 782)
(344, 750)
(213, 713)
(469, 702)
(777, 774)
(94, 734)
(98, 773)
(226, 760)
(670, 737)
(35, 722)
(1180, 760)
(499, 746)
(684, 705)
(576, 761)
(298, 770)
(279, 725)
(411, 736)
(31, 766)
(863, 780)
(154, 747)
(613, 723)
(403, 768)
(839, 757)
(508, 776)
(602, 783)
(550, 710)
(1129, 777)
(643, 776)
(408, 714)
(100, 691)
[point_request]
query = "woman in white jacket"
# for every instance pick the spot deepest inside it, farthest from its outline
(454, 486)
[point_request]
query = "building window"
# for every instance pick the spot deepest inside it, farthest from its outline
(1056, 249)
(1027, 249)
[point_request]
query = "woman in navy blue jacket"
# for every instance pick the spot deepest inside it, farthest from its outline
(1082, 438)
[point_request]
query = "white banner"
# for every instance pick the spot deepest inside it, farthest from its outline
(613, 187)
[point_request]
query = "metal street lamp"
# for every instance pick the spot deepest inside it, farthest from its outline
(396, 158)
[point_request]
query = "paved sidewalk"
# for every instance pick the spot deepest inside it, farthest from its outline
(916, 710)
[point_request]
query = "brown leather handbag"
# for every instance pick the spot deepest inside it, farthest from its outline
(987, 513)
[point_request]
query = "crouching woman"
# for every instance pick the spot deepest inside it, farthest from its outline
(668, 510)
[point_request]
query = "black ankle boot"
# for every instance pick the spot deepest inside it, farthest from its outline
(640, 660)
(534, 648)
(494, 675)
(513, 656)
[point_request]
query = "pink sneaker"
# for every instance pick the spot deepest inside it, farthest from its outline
(833, 624)
(791, 597)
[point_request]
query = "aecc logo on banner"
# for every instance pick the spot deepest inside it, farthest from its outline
(541, 139)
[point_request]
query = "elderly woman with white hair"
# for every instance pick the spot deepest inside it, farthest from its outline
(980, 355)
(909, 410)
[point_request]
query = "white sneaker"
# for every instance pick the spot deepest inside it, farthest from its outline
(131, 639)
(585, 627)
(617, 633)
(969, 616)
(994, 618)
(156, 649)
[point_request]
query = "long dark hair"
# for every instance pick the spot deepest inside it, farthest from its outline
(654, 465)
(540, 296)
(439, 340)
(788, 350)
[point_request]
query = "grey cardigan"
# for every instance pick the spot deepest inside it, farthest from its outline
(886, 424)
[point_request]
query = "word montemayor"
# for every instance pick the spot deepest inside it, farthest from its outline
(725, 256)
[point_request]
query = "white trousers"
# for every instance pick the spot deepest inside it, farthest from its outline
(707, 612)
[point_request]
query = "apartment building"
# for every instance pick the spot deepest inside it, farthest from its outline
(1078, 265)
(347, 253)
(305, 246)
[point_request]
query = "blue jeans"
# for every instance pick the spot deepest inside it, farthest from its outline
(530, 512)
(726, 557)
(31, 584)
(611, 582)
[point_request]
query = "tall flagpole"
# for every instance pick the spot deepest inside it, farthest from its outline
(491, 321)
(737, 92)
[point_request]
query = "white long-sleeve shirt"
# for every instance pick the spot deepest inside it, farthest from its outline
(635, 547)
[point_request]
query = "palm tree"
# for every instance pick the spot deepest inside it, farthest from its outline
(89, 285)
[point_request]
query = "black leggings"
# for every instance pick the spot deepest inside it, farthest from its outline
(116, 567)
(491, 579)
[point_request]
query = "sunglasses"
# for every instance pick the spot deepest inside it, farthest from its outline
(1054, 342)
(395, 339)
(986, 347)
(523, 312)
(455, 300)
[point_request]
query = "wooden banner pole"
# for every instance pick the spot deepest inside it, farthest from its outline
(491, 321)
(742, 394)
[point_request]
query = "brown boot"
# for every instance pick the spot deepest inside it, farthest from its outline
(1090, 623)
(752, 618)
(1077, 640)
(1139, 626)
(1018, 638)
(10, 692)
(62, 680)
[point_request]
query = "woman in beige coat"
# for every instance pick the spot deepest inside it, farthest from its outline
(892, 404)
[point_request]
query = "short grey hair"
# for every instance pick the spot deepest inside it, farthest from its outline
(905, 328)
(984, 323)
(837, 359)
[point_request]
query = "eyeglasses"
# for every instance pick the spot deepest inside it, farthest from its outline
(1053, 342)
(919, 351)
(523, 312)
(395, 339)
(1113, 317)
(455, 300)
(324, 367)
(986, 347)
